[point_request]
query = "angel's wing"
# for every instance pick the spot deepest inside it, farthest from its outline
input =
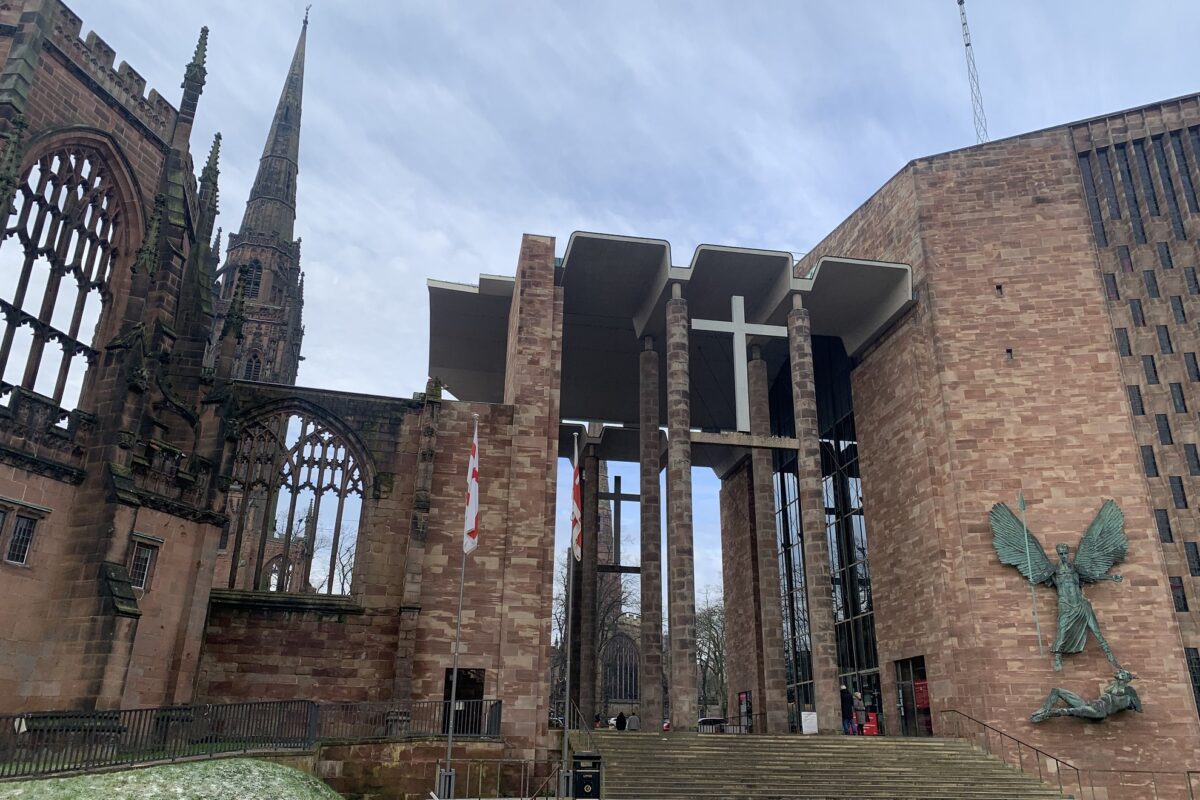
(1103, 545)
(1017, 547)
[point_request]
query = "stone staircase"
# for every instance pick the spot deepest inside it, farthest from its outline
(731, 767)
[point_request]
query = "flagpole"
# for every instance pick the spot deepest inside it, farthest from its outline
(462, 574)
(566, 643)
(572, 556)
(446, 779)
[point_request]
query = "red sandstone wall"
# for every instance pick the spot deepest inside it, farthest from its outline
(948, 426)
(166, 649)
(25, 626)
(295, 646)
(507, 612)
(1055, 418)
(485, 590)
(739, 575)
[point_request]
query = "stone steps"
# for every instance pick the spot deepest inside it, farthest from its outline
(731, 767)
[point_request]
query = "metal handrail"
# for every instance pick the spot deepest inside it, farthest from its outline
(551, 780)
(1010, 746)
(581, 724)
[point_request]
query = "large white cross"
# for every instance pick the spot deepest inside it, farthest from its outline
(740, 329)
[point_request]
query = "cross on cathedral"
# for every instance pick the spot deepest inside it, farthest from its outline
(617, 496)
(740, 330)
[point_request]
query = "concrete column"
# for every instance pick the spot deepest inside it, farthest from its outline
(587, 582)
(682, 578)
(650, 670)
(773, 702)
(812, 520)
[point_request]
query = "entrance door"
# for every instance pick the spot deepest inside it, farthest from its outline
(468, 713)
(912, 701)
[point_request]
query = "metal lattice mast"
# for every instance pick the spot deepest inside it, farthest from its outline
(981, 134)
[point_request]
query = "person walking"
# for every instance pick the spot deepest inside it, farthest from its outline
(860, 714)
(847, 711)
(634, 723)
(621, 721)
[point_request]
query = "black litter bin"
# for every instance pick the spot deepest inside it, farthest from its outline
(586, 774)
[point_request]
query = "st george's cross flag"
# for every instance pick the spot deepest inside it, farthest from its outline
(471, 521)
(576, 510)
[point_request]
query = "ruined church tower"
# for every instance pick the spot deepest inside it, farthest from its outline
(262, 264)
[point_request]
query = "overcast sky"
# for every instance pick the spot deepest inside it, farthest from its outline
(436, 133)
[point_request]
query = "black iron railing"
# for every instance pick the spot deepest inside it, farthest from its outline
(472, 719)
(50, 742)
(1082, 784)
(44, 743)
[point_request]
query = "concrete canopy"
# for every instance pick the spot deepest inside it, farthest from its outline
(615, 290)
(468, 336)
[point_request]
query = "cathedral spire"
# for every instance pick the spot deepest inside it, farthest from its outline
(271, 209)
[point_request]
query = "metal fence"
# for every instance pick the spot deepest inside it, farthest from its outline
(50, 742)
(472, 719)
(502, 777)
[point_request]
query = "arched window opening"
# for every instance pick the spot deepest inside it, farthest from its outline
(278, 575)
(253, 281)
(55, 263)
(619, 669)
(297, 530)
(253, 370)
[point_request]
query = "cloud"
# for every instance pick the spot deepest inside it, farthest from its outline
(434, 134)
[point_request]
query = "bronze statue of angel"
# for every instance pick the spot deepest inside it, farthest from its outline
(1103, 546)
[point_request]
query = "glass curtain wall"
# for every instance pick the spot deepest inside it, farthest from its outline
(845, 532)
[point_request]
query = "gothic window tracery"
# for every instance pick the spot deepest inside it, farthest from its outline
(619, 669)
(253, 369)
(56, 260)
(301, 488)
(253, 281)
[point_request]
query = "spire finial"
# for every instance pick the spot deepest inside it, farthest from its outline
(307, 8)
(194, 73)
(201, 47)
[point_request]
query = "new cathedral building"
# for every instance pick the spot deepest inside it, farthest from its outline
(181, 522)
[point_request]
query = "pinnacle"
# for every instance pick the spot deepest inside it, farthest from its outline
(194, 74)
(201, 48)
(211, 169)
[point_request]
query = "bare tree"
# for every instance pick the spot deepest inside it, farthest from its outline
(710, 650)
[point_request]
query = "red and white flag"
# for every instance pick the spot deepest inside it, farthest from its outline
(471, 522)
(576, 509)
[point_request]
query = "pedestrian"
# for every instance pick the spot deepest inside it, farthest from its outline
(599, 722)
(860, 714)
(634, 723)
(621, 721)
(847, 711)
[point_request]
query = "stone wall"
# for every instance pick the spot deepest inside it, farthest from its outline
(1003, 377)
(260, 646)
(739, 575)
(408, 770)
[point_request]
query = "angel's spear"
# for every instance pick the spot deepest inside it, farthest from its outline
(1029, 570)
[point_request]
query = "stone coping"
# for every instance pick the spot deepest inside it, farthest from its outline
(285, 601)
